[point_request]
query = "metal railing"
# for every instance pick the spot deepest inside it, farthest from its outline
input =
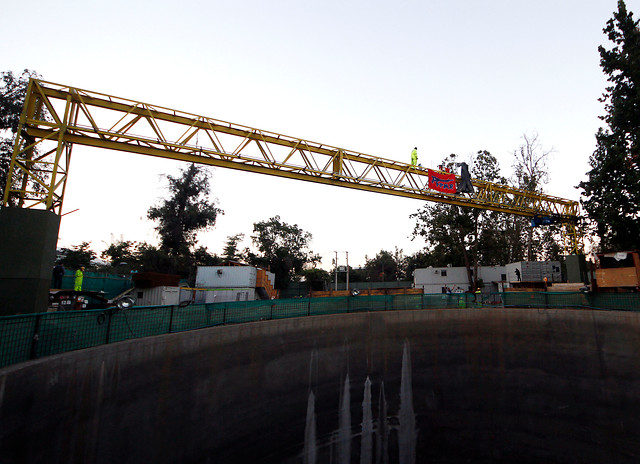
(32, 336)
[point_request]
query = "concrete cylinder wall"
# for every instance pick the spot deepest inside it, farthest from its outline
(445, 386)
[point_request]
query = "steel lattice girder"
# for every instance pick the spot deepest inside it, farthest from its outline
(88, 118)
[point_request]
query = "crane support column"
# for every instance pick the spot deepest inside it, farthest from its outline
(28, 240)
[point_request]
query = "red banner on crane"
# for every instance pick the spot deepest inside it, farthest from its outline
(442, 182)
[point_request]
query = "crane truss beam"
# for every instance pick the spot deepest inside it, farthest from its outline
(56, 117)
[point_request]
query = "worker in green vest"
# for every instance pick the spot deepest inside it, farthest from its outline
(77, 285)
(414, 156)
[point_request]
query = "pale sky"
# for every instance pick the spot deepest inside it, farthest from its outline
(374, 77)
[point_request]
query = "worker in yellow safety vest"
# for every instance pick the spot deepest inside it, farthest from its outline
(414, 156)
(77, 285)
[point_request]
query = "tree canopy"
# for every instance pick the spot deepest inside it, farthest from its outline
(386, 266)
(77, 256)
(452, 233)
(231, 251)
(317, 279)
(531, 173)
(13, 90)
(283, 248)
(185, 212)
(611, 194)
(120, 253)
(470, 237)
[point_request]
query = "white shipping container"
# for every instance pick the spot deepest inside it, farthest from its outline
(157, 296)
(226, 277)
(535, 271)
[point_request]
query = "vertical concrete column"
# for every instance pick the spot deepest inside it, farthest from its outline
(27, 253)
(577, 269)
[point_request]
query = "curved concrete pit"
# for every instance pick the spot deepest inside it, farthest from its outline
(439, 386)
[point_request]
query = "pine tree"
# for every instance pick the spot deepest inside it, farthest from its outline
(612, 191)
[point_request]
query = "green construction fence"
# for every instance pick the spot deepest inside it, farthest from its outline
(32, 336)
(111, 284)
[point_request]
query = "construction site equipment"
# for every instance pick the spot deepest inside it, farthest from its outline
(366, 292)
(73, 300)
(155, 279)
(56, 117)
(619, 271)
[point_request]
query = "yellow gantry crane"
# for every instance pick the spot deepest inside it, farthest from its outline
(55, 117)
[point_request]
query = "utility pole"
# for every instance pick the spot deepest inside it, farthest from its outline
(347, 271)
(336, 270)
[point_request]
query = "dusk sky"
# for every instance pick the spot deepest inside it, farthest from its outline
(375, 77)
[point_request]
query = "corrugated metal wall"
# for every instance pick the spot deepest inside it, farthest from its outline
(223, 295)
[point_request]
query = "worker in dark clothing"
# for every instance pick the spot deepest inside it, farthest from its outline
(477, 297)
(58, 274)
(518, 274)
(465, 179)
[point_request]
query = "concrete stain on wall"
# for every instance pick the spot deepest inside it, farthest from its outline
(368, 441)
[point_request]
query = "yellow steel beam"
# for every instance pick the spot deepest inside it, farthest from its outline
(88, 118)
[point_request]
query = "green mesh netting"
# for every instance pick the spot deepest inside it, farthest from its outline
(32, 336)
(111, 285)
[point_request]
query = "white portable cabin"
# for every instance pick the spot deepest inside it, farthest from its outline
(217, 284)
(455, 279)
